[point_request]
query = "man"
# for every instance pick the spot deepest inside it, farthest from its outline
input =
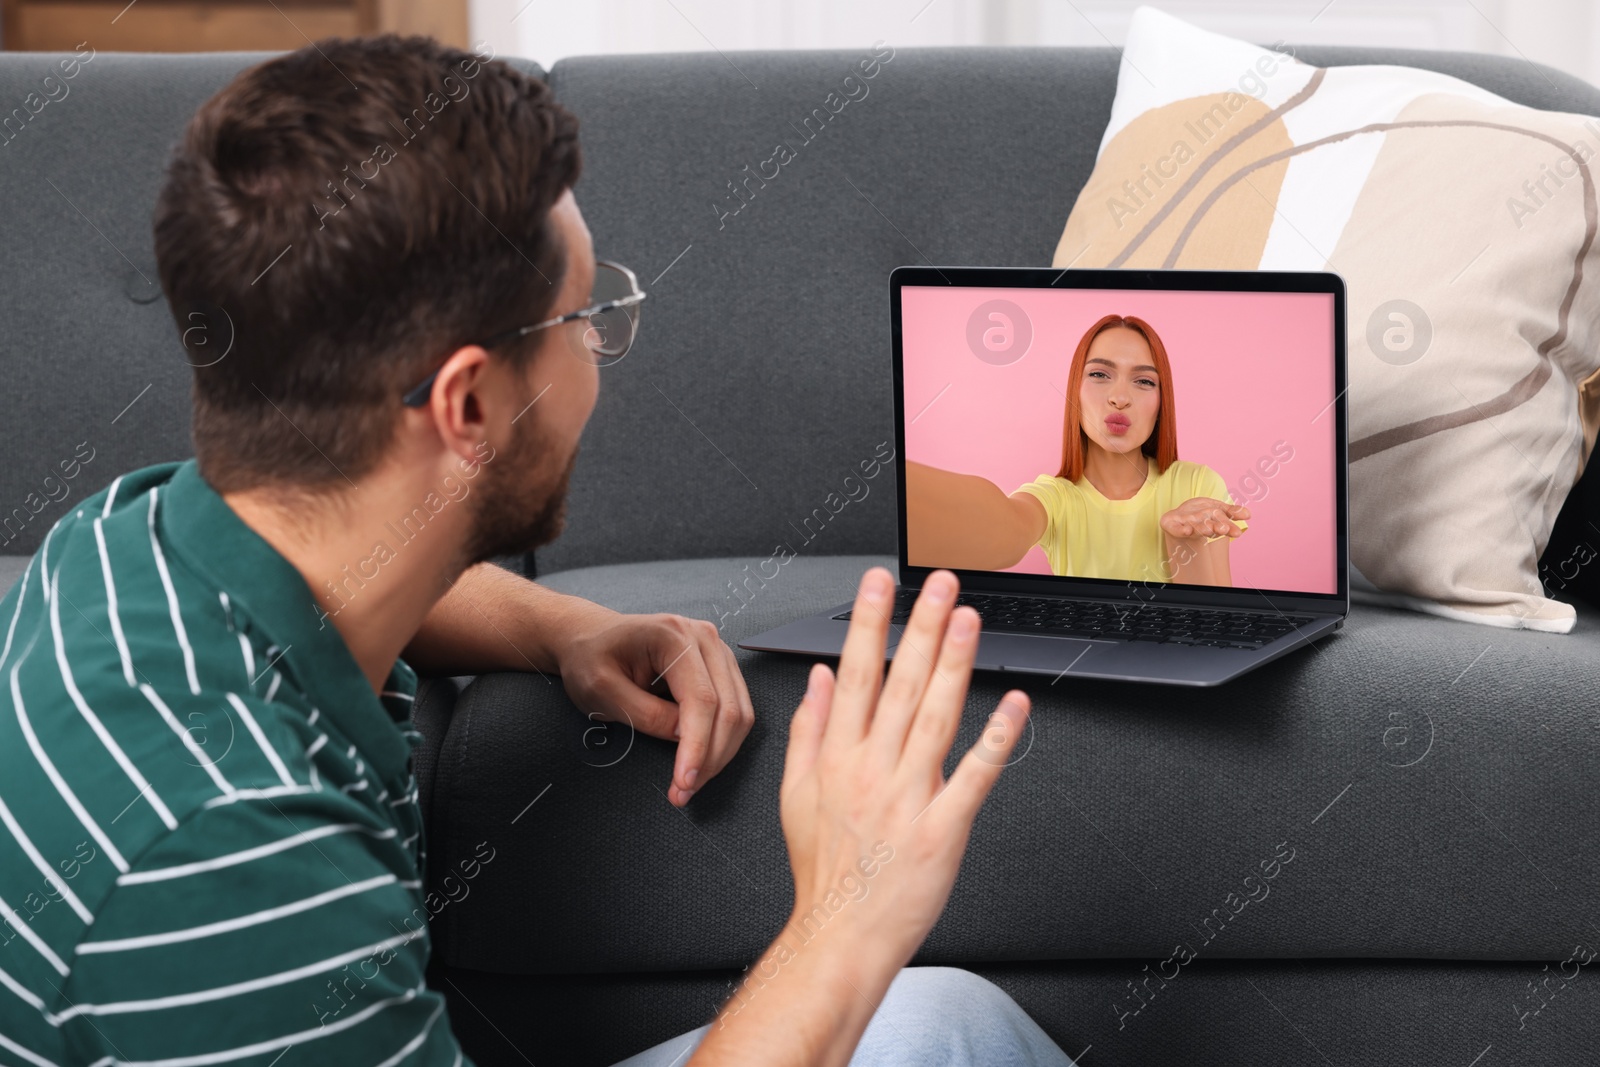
(211, 838)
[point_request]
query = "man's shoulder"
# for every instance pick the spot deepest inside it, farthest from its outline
(109, 624)
(127, 492)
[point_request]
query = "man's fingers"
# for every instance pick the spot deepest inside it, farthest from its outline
(913, 663)
(807, 726)
(978, 770)
(624, 701)
(692, 688)
(939, 712)
(855, 691)
(734, 716)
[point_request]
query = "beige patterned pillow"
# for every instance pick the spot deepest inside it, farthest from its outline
(1464, 227)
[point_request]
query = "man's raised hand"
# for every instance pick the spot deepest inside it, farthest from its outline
(867, 813)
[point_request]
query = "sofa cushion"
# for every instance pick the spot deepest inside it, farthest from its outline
(1409, 787)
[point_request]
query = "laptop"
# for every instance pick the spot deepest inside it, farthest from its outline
(1137, 475)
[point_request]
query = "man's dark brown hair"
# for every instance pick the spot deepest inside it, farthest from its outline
(338, 220)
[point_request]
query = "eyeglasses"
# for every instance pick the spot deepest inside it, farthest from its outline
(613, 315)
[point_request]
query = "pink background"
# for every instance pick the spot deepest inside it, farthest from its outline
(1249, 370)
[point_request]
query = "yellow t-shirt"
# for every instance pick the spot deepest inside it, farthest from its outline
(1088, 536)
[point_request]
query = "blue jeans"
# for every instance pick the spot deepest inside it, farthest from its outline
(931, 1017)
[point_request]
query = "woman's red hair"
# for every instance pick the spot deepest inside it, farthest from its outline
(1162, 443)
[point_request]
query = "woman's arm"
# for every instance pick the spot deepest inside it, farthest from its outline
(1203, 563)
(965, 522)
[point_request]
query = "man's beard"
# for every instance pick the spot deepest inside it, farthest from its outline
(517, 511)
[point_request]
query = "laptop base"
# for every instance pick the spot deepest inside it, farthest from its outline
(1064, 657)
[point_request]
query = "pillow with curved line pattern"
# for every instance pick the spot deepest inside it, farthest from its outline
(1464, 226)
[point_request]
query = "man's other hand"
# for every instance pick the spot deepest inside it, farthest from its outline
(667, 676)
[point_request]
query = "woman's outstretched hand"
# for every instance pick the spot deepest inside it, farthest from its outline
(1202, 516)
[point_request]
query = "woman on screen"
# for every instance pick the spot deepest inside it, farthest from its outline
(1123, 506)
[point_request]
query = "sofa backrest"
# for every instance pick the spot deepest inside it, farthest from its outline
(760, 382)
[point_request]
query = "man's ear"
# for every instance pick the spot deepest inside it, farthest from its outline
(456, 403)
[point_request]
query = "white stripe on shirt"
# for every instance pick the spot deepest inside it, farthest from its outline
(416, 1042)
(44, 567)
(54, 775)
(202, 996)
(261, 739)
(224, 926)
(303, 837)
(43, 865)
(16, 1049)
(261, 794)
(172, 598)
(188, 741)
(249, 660)
(146, 790)
(289, 1040)
(32, 938)
(22, 594)
(28, 996)
(111, 603)
(111, 494)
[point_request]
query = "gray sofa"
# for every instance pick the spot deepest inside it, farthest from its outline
(1419, 789)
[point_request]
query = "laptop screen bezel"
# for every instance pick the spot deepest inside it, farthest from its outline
(1282, 600)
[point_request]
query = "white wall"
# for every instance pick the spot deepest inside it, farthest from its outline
(1562, 33)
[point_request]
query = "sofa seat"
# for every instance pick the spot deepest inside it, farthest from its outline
(1417, 788)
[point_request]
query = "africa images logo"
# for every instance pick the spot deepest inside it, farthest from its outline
(999, 332)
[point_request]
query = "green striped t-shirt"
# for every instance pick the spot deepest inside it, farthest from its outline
(210, 843)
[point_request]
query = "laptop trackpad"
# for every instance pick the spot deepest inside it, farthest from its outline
(1024, 652)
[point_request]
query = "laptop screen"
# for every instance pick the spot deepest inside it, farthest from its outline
(1126, 435)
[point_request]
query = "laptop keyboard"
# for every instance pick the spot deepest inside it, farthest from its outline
(1165, 623)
